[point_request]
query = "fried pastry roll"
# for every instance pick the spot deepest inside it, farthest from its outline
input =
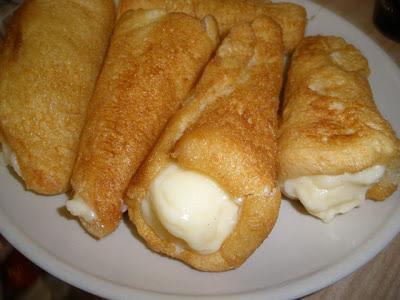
(335, 148)
(207, 194)
(49, 62)
(291, 17)
(153, 61)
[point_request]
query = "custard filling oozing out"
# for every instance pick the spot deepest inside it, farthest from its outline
(191, 207)
(325, 196)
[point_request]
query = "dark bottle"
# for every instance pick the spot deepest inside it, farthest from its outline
(387, 18)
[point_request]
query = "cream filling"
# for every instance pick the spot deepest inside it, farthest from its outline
(325, 196)
(191, 207)
(8, 158)
(79, 208)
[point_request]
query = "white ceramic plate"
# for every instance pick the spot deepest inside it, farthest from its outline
(301, 255)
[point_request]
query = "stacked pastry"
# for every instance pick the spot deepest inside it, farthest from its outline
(153, 61)
(290, 17)
(335, 148)
(49, 62)
(207, 194)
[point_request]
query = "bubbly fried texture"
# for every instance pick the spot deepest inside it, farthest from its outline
(52, 54)
(153, 61)
(226, 130)
(330, 123)
(291, 17)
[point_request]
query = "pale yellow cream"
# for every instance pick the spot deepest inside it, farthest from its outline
(79, 208)
(326, 196)
(192, 207)
(9, 158)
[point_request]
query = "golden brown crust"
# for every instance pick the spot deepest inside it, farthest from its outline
(330, 123)
(291, 17)
(51, 57)
(153, 61)
(227, 130)
(190, 7)
(388, 183)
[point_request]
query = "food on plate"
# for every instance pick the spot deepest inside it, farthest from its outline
(335, 148)
(153, 61)
(291, 17)
(51, 56)
(207, 194)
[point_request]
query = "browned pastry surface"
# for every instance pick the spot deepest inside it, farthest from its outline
(330, 123)
(291, 17)
(153, 61)
(49, 63)
(227, 130)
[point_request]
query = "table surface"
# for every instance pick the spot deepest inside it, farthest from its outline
(380, 278)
